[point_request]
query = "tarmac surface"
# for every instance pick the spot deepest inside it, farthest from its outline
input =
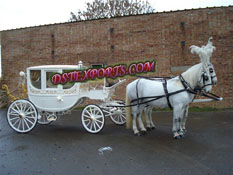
(65, 148)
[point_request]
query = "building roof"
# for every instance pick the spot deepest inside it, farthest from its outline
(117, 17)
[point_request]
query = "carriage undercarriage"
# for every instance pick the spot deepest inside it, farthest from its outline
(23, 116)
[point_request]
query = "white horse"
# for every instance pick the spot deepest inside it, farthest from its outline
(148, 109)
(177, 92)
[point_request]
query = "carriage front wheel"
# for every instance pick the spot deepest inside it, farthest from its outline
(118, 114)
(93, 119)
(22, 116)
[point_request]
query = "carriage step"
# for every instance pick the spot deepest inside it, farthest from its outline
(52, 118)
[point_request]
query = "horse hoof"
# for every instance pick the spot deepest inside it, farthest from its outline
(181, 136)
(148, 128)
(153, 128)
(143, 132)
(177, 137)
(137, 134)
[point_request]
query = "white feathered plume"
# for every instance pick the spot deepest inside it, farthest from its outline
(204, 52)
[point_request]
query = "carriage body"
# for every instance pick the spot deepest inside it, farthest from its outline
(46, 100)
(55, 98)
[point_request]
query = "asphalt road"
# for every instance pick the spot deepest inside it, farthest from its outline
(65, 148)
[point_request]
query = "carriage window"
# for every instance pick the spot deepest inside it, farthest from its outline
(68, 85)
(49, 84)
(35, 76)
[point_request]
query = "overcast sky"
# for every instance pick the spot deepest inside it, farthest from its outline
(25, 13)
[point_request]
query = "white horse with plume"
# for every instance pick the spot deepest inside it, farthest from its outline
(148, 109)
(176, 92)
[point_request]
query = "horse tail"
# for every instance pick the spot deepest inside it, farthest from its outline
(128, 111)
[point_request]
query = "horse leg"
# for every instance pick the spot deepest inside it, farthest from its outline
(178, 111)
(146, 112)
(140, 123)
(150, 118)
(135, 129)
(184, 119)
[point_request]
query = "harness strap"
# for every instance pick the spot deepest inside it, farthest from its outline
(155, 77)
(137, 91)
(187, 87)
(166, 93)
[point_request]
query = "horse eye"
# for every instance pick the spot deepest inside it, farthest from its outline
(206, 78)
(211, 70)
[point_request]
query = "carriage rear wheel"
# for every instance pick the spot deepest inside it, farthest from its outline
(93, 119)
(22, 116)
(117, 114)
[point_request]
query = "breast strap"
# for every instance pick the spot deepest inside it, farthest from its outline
(164, 81)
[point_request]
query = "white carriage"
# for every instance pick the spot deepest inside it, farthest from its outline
(46, 101)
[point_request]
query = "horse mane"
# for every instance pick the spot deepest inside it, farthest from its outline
(204, 52)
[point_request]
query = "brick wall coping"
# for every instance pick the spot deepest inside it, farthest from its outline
(171, 11)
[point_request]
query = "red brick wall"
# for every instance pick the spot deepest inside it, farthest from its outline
(156, 36)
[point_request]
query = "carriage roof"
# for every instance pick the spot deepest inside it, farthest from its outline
(45, 67)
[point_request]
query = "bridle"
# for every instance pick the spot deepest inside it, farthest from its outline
(211, 70)
(205, 77)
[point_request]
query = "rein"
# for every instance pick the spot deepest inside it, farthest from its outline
(196, 91)
(155, 77)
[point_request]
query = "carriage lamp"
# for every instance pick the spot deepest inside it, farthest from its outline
(80, 64)
(22, 74)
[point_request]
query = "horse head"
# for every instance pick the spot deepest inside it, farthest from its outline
(208, 76)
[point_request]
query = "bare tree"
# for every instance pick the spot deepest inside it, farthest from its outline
(112, 8)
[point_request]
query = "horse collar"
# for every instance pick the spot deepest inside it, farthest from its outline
(187, 87)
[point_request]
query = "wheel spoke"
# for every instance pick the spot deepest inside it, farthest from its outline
(88, 112)
(97, 124)
(16, 122)
(15, 110)
(91, 126)
(100, 121)
(98, 112)
(98, 116)
(27, 109)
(14, 118)
(24, 107)
(89, 122)
(21, 106)
(15, 114)
(120, 118)
(31, 112)
(23, 123)
(86, 116)
(17, 107)
(26, 123)
(26, 118)
(94, 126)
(91, 111)
(20, 121)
